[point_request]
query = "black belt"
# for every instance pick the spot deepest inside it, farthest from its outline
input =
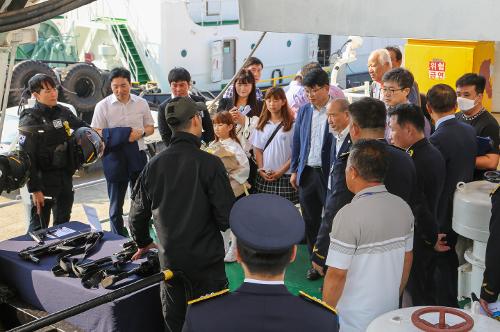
(314, 167)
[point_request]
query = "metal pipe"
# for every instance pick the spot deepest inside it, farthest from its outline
(219, 96)
(95, 302)
(25, 22)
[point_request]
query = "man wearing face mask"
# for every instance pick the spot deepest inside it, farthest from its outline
(470, 89)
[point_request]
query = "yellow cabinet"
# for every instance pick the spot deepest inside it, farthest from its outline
(438, 61)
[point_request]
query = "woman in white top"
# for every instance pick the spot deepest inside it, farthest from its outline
(272, 145)
(228, 148)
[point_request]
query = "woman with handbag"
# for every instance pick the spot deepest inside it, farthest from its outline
(272, 144)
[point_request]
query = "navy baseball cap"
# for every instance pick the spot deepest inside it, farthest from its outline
(266, 223)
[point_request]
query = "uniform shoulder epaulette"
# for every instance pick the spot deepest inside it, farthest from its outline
(313, 299)
(209, 296)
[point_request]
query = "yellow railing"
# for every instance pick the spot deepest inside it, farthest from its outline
(274, 81)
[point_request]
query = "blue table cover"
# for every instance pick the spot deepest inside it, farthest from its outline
(36, 285)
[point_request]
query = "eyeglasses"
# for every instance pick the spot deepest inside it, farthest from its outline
(390, 91)
(311, 92)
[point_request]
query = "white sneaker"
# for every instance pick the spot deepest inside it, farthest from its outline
(230, 255)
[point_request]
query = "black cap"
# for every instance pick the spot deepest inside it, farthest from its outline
(266, 223)
(181, 109)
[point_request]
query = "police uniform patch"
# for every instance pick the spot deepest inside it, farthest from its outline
(313, 299)
(209, 296)
(57, 123)
(22, 139)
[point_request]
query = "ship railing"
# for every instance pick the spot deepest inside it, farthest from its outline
(121, 43)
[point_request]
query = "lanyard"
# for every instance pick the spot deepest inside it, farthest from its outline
(370, 193)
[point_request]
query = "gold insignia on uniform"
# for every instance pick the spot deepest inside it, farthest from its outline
(313, 299)
(410, 152)
(66, 126)
(209, 296)
(315, 251)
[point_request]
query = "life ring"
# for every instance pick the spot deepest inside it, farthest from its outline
(426, 326)
(82, 86)
(21, 74)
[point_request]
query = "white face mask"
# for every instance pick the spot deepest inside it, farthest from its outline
(465, 104)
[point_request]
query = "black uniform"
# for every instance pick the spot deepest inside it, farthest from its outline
(258, 307)
(187, 192)
(431, 172)
(491, 282)
(166, 133)
(457, 143)
(337, 196)
(44, 135)
(485, 125)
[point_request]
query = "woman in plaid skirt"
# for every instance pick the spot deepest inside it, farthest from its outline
(272, 142)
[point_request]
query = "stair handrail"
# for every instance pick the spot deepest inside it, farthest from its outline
(134, 32)
(122, 42)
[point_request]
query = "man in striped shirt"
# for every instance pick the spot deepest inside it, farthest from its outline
(371, 243)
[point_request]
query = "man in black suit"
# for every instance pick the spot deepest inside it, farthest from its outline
(457, 143)
(407, 132)
(180, 82)
(337, 193)
(368, 120)
(267, 229)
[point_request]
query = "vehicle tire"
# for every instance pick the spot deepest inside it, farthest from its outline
(22, 73)
(82, 86)
(106, 84)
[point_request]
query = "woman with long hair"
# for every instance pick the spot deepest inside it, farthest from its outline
(272, 145)
(245, 110)
(227, 146)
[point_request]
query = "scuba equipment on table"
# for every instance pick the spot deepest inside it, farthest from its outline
(89, 272)
(14, 170)
(89, 144)
(147, 268)
(76, 244)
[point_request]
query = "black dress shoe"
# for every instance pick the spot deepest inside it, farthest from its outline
(312, 274)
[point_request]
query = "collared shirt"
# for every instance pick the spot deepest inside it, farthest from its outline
(111, 113)
(264, 282)
(371, 244)
(339, 139)
(296, 95)
(318, 124)
(443, 119)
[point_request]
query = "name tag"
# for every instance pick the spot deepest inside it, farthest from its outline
(57, 123)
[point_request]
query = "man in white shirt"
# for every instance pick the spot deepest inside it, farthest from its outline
(370, 253)
(123, 158)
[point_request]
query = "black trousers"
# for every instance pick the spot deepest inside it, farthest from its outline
(421, 284)
(312, 195)
(60, 205)
(177, 292)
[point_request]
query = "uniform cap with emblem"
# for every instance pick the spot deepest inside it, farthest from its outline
(182, 109)
(266, 223)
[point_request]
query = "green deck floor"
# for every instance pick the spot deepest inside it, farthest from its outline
(295, 278)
